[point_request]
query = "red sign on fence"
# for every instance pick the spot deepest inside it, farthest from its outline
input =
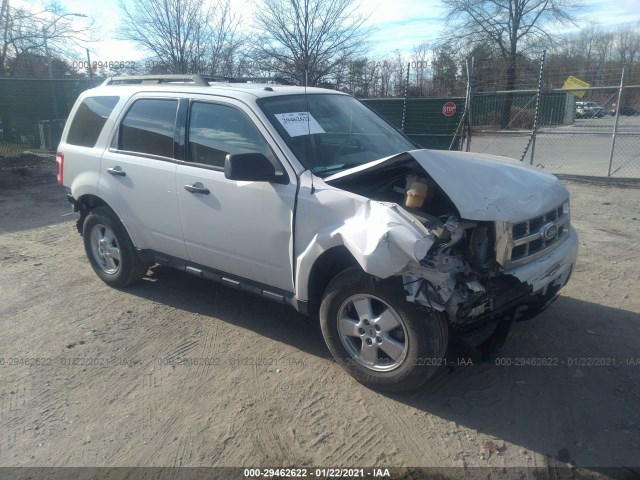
(448, 109)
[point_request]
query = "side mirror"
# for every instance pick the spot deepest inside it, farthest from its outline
(251, 167)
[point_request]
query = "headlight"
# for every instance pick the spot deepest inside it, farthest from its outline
(565, 208)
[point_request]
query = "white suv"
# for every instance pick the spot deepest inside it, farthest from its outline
(589, 110)
(307, 197)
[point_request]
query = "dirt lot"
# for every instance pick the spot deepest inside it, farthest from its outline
(92, 376)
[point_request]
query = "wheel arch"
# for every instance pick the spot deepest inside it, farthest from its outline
(84, 204)
(329, 264)
(87, 202)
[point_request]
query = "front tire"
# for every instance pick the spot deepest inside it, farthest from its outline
(110, 250)
(377, 336)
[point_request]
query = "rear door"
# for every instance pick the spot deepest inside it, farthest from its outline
(241, 228)
(138, 178)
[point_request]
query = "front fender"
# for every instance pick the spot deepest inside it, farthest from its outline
(378, 236)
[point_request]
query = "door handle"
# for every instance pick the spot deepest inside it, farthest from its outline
(197, 188)
(117, 172)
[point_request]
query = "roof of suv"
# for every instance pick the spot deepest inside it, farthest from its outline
(198, 85)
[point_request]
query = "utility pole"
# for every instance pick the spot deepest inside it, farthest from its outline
(54, 103)
(45, 36)
(89, 68)
(46, 51)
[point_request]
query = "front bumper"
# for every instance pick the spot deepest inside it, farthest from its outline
(541, 279)
(553, 269)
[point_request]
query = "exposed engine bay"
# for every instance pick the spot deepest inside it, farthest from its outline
(458, 272)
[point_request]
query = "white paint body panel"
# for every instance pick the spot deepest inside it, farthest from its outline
(490, 188)
(242, 228)
(145, 200)
(379, 238)
(482, 187)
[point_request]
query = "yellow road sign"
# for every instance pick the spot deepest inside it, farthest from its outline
(572, 83)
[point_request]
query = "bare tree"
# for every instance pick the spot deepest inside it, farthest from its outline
(184, 36)
(627, 44)
(226, 41)
(508, 26)
(419, 64)
(596, 54)
(386, 76)
(35, 43)
(399, 67)
(594, 44)
(5, 31)
(29, 35)
(309, 40)
(173, 30)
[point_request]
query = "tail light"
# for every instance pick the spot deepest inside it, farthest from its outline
(59, 166)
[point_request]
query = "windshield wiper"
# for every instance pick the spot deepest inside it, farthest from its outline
(324, 168)
(331, 168)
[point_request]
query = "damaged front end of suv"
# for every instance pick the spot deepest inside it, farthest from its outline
(493, 241)
(398, 248)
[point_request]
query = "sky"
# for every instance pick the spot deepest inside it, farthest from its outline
(398, 24)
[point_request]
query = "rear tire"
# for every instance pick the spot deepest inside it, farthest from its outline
(110, 250)
(377, 336)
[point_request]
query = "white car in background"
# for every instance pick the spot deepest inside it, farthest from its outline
(589, 110)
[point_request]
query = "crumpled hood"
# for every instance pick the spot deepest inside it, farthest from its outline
(482, 187)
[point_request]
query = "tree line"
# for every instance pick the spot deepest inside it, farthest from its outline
(325, 43)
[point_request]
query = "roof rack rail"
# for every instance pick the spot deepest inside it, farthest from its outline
(223, 79)
(195, 80)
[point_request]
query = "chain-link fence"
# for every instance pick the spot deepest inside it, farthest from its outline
(588, 131)
(33, 112)
(573, 136)
(422, 119)
(574, 130)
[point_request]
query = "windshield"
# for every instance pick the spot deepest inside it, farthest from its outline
(329, 132)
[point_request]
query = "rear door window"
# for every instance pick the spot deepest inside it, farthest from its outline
(149, 127)
(89, 119)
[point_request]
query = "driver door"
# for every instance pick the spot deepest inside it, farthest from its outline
(240, 228)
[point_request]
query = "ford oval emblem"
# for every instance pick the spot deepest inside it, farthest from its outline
(549, 231)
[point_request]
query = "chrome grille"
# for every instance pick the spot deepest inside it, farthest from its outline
(524, 241)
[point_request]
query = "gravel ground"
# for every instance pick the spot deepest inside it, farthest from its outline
(176, 371)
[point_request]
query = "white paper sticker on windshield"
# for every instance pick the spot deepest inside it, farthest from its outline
(299, 123)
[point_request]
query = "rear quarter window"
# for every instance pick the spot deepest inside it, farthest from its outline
(89, 120)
